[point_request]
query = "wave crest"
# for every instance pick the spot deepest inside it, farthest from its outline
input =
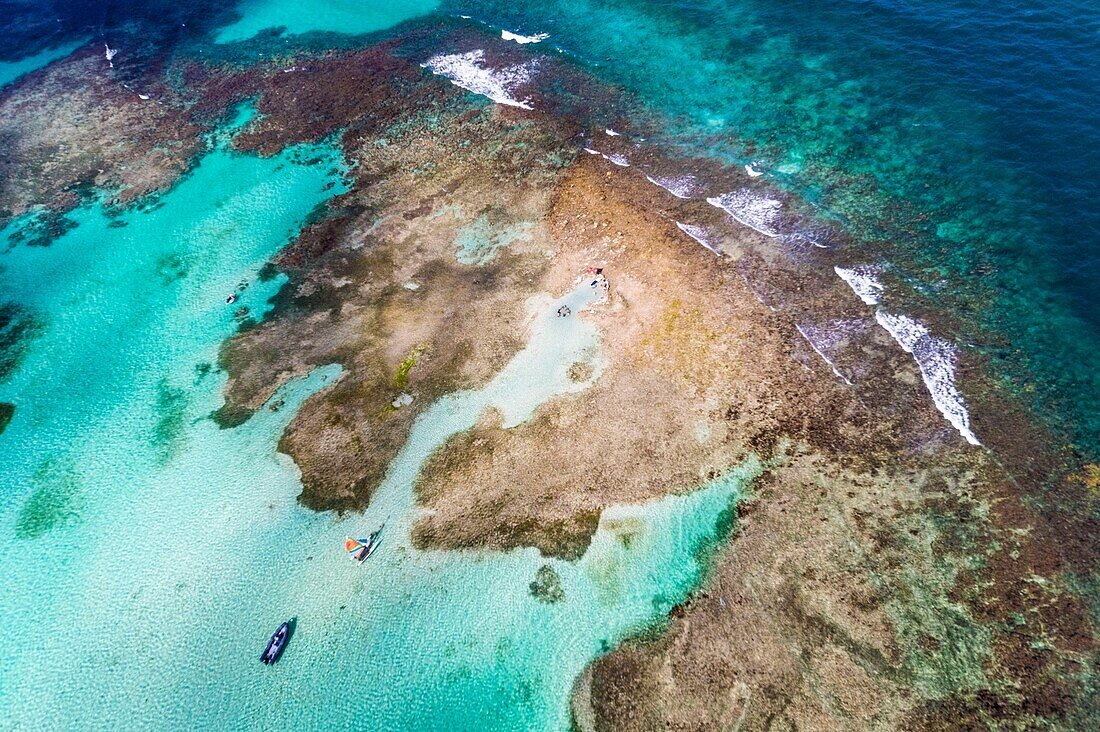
(936, 359)
(864, 282)
(699, 234)
(522, 40)
(752, 209)
(467, 70)
(681, 186)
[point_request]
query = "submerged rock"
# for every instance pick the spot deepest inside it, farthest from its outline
(6, 412)
(547, 586)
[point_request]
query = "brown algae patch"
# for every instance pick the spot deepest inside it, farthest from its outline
(399, 346)
(76, 126)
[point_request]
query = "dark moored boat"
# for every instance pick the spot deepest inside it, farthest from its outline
(276, 644)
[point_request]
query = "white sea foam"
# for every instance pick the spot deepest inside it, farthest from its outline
(699, 234)
(863, 281)
(537, 38)
(752, 209)
(753, 172)
(805, 236)
(620, 160)
(466, 70)
(936, 358)
(812, 336)
(680, 186)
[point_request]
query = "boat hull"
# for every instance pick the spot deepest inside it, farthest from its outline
(275, 646)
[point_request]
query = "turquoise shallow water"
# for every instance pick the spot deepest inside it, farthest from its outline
(337, 16)
(111, 480)
(147, 553)
(12, 70)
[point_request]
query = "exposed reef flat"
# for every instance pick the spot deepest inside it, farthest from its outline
(74, 129)
(884, 574)
(349, 304)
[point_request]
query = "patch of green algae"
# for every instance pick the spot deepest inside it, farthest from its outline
(53, 502)
(171, 407)
(17, 328)
(944, 651)
(401, 377)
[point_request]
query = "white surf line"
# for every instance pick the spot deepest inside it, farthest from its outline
(751, 209)
(698, 233)
(800, 237)
(936, 357)
(864, 282)
(756, 294)
(466, 70)
(680, 186)
(521, 39)
(819, 352)
(620, 160)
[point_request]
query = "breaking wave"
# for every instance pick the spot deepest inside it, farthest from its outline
(863, 281)
(699, 234)
(680, 186)
(537, 38)
(466, 70)
(822, 340)
(620, 160)
(936, 358)
(751, 209)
